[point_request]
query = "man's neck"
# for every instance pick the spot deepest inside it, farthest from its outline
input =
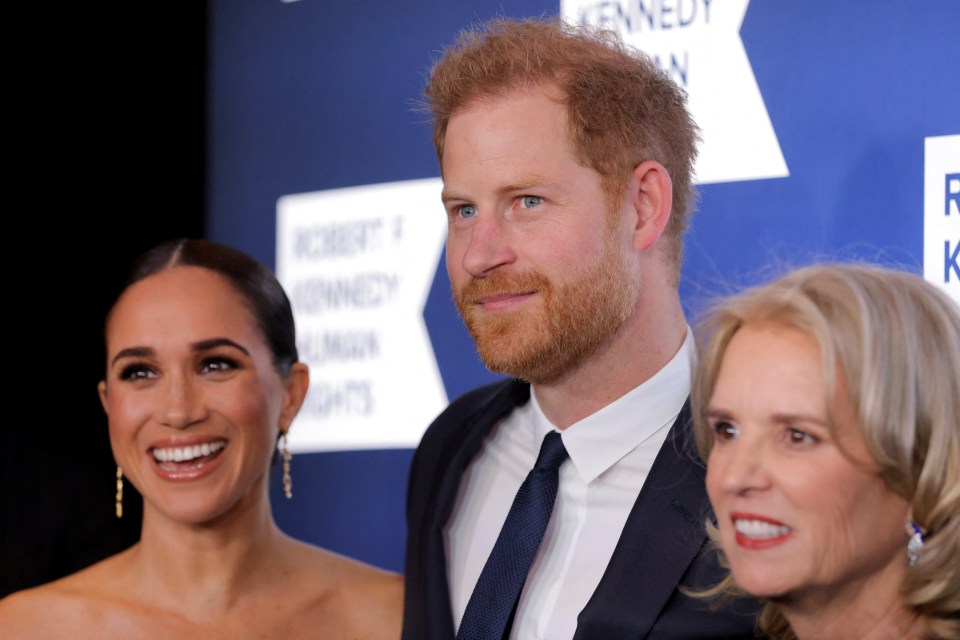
(636, 354)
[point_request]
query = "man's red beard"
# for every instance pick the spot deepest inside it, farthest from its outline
(557, 330)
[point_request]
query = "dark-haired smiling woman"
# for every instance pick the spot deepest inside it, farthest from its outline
(202, 380)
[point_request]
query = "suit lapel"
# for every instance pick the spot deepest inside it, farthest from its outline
(662, 536)
(465, 445)
(460, 451)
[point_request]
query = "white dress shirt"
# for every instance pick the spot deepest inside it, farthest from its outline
(611, 453)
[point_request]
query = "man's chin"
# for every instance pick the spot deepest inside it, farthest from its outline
(525, 361)
(506, 352)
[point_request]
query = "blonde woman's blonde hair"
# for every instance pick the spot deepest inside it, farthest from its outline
(896, 339)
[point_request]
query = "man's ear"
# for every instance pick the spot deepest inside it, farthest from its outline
(297, 384)
(651, 196)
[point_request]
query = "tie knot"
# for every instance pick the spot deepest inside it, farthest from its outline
(552, 453)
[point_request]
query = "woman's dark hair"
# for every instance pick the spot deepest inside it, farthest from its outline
(256, 284)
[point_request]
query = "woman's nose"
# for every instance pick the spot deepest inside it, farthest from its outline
(182, 403)
(740, 467)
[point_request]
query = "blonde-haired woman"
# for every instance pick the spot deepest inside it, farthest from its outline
(827, 406)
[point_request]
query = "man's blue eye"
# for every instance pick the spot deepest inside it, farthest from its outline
(530, 201)
(467, 211)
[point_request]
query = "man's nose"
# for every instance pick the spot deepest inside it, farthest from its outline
(488, 246)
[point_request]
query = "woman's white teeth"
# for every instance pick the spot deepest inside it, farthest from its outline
(760, 529)
(186, 454)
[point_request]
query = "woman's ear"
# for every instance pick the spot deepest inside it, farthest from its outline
(297, 384)
(102, 392)
(651, 196)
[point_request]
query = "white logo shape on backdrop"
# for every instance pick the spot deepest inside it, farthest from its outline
(358, 264)
(941, 213)
(698, 43)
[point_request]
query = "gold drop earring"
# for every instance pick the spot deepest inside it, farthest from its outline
(287, 456)
(119, 497)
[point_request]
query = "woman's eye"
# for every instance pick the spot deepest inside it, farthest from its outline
(137, 372)
(724, 430)
(796, 436)
(528, 202)
(218, 365)
(467, 211)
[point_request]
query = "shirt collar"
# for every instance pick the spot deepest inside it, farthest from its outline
(598, 441)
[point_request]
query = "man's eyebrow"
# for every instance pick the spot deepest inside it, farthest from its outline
(522, 185)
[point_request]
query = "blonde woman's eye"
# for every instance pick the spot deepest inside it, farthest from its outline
(796, 436)
(724, 430)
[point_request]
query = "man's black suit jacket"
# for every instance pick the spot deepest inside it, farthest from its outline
(663, 544)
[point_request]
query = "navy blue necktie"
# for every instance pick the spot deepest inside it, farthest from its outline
(490, 609)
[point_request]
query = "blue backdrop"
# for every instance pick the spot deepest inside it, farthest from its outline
(312, 95)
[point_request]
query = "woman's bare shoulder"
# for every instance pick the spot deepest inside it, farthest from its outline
(367, 599)
(23, 611)
(62, 608)
(378, 584)
(346, 571)
(382, 617)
